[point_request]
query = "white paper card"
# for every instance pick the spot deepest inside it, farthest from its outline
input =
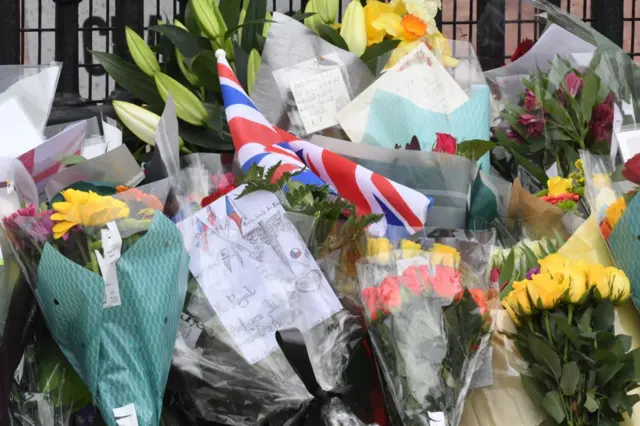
(552, 171)
(419, 77)
(126, 416)
(190, 330)
(16, 127)
(437, 419)
(319, 98)
(256, 271)
(629, 143)
(111, 246)
(112, 135)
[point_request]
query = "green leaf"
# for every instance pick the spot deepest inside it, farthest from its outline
(534, 389)
(603, 316)
(230, 11)
(591, 404)
(553, 405)
(190, 20)
(589, 94)
(584, 324)
(205, 66)
(545, 354)
(535, 171)
(72, 160)
(235, 29)
(606, 372)
(301, 16)
(373, 52)
(532, 259)
(506, 274)
(570, 378)
(332, 36)
(190, 45)
(205, 137)
(130, 78)
(562, 322)
(474, 149)
(256, 10)
(241, 65)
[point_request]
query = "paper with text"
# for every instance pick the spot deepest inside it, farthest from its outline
(256, 271)
(418, 77)
(319, 98)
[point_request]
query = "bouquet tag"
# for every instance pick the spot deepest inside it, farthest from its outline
(190, 329)
(111, 244)
(437, 419)
(126, 416)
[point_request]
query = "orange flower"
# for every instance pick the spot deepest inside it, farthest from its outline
(134, 194)
(414, 27)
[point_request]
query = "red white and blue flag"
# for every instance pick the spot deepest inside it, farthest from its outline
(259, 142)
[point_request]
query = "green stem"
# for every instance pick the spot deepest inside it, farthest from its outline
(185, 150)
(569, 320)
(548, 327)
(85, 259)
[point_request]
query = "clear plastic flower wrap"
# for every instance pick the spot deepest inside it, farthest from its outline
(253, 275)
(109, 272)
(427, 308)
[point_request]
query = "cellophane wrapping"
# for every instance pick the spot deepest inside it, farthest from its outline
(427, 305)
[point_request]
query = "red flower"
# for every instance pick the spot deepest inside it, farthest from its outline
(447, 282)
(601, 125)
(573, 84)
(631, 171)
(480, 297)
(370, 297)
(531, 102)
(533, 123)
(524, 46)
(389, 295)
(560, 198)
(445, 143)
(495, 275)
(223, 184)
(413, 280)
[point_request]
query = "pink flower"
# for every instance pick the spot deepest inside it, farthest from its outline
(495, 275)
(26, 223)
(533, 123)
(601, 125)
(573, 84)
(531, 103)
(445, 143)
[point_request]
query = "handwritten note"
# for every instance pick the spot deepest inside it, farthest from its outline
(256, 271)
(319, 98)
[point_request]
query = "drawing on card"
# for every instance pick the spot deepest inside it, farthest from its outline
(256, 271)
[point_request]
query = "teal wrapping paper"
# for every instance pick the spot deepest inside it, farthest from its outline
(625, 247)
(122, 353)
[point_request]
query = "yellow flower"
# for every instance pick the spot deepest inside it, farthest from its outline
(381, 248)
(575, 280)
(410, 249)
(506, 303)
(579, 165)
(372, 11)
(519, 300)
(546, 290)
(442, 254)
(558, 186)
(425, 10)
(442, 49)
(594, 272)
(620, 286)
(553, 264)
(85, 209)
(615, 211)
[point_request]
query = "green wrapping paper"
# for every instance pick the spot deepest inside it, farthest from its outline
(625, 246)
(122, 353)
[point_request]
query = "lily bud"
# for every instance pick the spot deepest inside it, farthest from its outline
(191, 77)
(188, 106)
(209, 19)
(142, 55)
(354, 30)
(252, 68)
(267, 25)
(313, 21)
(328, 10)
(141, 122)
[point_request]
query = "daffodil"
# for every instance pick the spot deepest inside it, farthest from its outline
(82, 208)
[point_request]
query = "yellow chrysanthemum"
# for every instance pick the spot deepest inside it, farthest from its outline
(558, 186)
(82, 208)
(615, 211)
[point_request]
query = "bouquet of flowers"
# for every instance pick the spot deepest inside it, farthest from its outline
(565, 193)
(580, 372)
(109, 271)
(428, 316)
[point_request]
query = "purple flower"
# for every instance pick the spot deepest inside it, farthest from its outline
(573, 84)
(26, 223)
(532, 272)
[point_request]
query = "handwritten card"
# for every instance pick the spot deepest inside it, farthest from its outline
(319, 98)
(256, 271)
(419, 77)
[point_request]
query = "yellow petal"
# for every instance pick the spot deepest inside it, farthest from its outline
(63, 227)
(390, 23)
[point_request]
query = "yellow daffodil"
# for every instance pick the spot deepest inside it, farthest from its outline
(82, 208)
(615, 211)
(410, 249)
(381, 248)
(558, 186)
(546, 290)
(374, 10)
(442, 254)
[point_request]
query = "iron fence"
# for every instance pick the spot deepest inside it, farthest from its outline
(41, 31)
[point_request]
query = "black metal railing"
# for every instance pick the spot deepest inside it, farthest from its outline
(488, 24)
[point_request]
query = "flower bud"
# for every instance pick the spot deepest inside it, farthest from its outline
(519, 300)
(253, 66)
(180, 58)
(506, 303)
(267, 25)
(142, 55)
(313, 21)
(620, 286)
(575, 280)
(209, 19)
(188, 106)
(141, 122)
(354, 30)
(328, 10)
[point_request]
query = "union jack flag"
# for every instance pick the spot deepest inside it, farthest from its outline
(259, 142)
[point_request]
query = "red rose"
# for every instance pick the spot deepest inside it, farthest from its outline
(445, 143)
(411, 280)
(370, 297)
(631, 171)
(447, 282)
(389, 295)
(524, 46)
